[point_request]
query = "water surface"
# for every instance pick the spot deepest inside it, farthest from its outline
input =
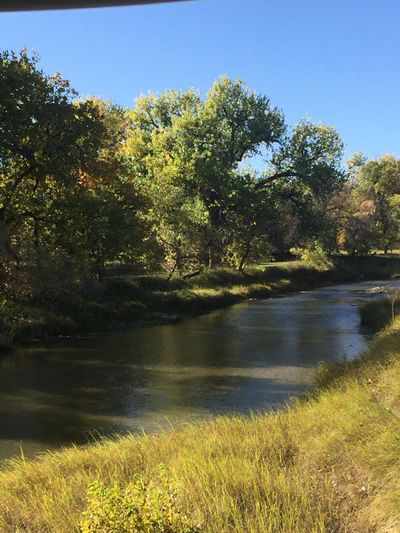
(252, 356)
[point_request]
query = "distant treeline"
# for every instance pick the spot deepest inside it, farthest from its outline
(179, 182)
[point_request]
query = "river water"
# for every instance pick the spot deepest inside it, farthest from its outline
(252, 356)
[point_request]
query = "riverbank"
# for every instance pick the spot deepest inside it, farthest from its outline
(125, 300)
(330, 464)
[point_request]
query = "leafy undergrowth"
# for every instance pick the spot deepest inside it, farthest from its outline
(331, 464)
(141, 505)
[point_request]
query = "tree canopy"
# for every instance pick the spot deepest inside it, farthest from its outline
(179, 182)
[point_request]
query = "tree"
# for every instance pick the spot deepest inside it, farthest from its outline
(356, 231)
(189, 150)
(304, 174)
(63, 199)
(238, 124)
(379, 181)
(205, 207)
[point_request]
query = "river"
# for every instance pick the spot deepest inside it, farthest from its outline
(252, 356)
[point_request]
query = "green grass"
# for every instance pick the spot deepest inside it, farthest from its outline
(126, 300)
(330, 464)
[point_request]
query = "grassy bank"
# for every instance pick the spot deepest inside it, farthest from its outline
(376, 315)
(331, 464)
(124, 300)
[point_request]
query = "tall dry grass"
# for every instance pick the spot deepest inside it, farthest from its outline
(331, 464)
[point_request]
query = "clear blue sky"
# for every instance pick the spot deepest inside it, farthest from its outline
(337, 61)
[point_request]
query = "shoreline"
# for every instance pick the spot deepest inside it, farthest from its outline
(315, 462)
(139, 301)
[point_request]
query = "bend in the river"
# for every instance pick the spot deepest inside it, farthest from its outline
(252, 356)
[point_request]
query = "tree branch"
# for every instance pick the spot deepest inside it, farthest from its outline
(266, 181)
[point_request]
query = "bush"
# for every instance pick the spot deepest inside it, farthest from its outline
(377, 314)
(314, 255)
(142, 506)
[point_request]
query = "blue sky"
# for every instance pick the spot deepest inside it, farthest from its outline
(334, 60)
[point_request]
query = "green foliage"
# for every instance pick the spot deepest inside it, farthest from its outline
(142, 506)
(169, 185)
(67, 204)
(314, 255)
(357, 233)
(84, 182)
(206, 208)
(368, 208)
(379, 180)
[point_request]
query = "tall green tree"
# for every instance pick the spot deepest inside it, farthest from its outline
(63, 198)
(191, 155)
(188, 152)
(379, 182)
(306, 173)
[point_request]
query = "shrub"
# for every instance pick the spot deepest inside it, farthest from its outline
(142, 506)
(377, 314)
(314, 255)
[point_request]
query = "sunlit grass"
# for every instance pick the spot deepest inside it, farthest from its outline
(328, 465)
